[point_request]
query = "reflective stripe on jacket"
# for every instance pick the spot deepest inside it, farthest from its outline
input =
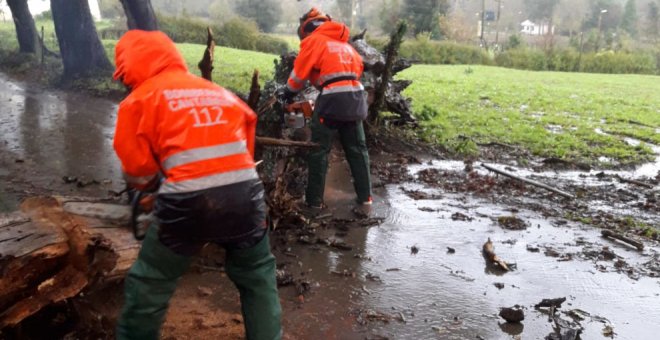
(330, 63)
(195, 133)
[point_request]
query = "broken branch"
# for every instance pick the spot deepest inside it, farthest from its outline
(635, 182)
(206, 64)
(268, 141)
(611, 234)
(255, 92)
(528, 181)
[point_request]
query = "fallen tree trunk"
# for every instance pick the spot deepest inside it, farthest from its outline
(628, 240)
(55, 248)
(528, 181)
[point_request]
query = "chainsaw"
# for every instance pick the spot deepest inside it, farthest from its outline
(298, 113)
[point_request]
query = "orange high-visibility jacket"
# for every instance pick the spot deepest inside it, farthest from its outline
(195, 133)
(330, 63)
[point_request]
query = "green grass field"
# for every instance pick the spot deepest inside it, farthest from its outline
(233, 68)
(549, 113)
(575, 116)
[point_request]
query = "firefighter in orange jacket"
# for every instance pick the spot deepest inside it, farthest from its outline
(199, 138)
(330, 63)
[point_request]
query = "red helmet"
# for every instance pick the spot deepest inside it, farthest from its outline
(311, 21)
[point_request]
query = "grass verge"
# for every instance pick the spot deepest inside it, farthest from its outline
(573, 116)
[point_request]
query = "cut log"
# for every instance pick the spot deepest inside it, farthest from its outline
(628, 240)
(206, 64)
(55, 248)
(528, 181)
(489, 254)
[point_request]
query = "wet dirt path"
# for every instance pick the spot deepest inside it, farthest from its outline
(380, 288)
(48, 135)
(433, 292)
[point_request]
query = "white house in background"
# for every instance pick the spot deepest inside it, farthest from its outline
(39, 6)
(531, 28)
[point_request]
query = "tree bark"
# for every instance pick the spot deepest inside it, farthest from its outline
(140, 15)
(26, 31)
(56, 248)
(82, 53)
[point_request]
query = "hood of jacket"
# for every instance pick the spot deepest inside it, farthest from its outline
(140, 55)
(335, 30)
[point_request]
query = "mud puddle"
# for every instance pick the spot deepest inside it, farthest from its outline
(421, 275)
(447, 293)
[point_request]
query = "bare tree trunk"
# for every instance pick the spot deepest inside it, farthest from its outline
(140, 15)
(82, 53)
(26, 31)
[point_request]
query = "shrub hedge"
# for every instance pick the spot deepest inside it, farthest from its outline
(568, 60)
(236, 33)
(424, 50)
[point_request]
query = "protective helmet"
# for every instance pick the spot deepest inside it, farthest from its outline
(311, 21)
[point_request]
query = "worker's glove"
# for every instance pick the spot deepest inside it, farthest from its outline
(147, 202)
(284, 95)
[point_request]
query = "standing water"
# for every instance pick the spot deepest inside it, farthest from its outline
(48, 135)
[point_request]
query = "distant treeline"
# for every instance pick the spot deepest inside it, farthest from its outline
(568, 59)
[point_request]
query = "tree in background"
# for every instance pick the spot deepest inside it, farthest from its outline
(424, 14)
(653, 21)
(169, 7)
(82, 53)
(266, 13)
(140, 15)
(221, 11)
(457, 26)
(630, 20)
(390, 13)
(345, 10)
(111, 9)
(541, 9)
(26, 31)
(610, 20)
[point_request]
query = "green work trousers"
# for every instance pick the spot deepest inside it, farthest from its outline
(153, 277)
(351, 135)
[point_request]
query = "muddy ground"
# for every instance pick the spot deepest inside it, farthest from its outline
(414, 271)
